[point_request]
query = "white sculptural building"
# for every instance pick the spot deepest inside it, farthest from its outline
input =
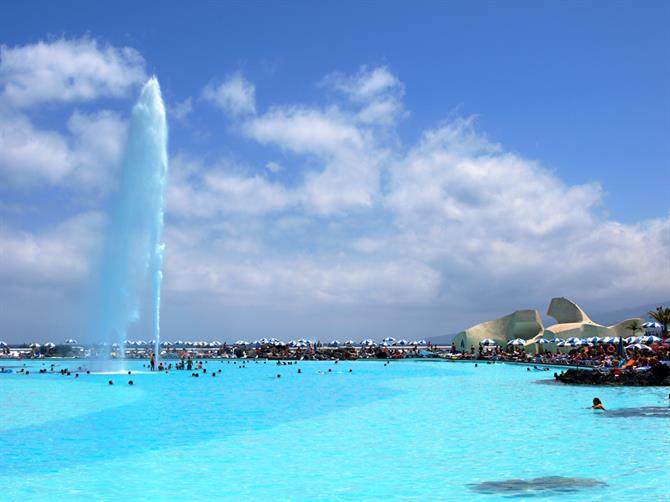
(571, 321)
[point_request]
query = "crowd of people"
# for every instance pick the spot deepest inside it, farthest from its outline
(607, 357)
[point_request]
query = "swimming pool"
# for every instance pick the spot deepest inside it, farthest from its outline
(409, 430)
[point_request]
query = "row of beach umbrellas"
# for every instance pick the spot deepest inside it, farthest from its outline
(631, 341)
(49, 345)
(387, 342)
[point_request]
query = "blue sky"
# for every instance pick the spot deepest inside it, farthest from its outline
(337, 168)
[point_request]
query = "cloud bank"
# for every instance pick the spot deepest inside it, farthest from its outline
(342, 216)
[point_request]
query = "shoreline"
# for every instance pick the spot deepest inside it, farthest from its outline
(370, 359)
(573, 375)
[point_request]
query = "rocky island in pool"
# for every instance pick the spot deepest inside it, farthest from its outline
(656, 375)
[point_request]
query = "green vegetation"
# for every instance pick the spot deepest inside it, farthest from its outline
(662, 316)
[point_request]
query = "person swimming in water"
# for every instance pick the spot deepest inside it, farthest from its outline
(597, 404)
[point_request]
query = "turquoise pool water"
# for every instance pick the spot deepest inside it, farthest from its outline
(407, 431)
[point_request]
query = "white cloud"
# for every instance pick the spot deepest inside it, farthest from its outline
(27, 153)
(246, 194)
(67, 71)
(59, 255)
(495, 222)
(306, 130)
(367, 84)
(454, 176)
(368, 245)
(274, 167)
(63, 71)
(97, 147)
(376, 90)
(182, 109)
(235, 95)
(347, 158)
(196, 190)
(383, 111)
(344, 150)
(261, 280)
(31, 156)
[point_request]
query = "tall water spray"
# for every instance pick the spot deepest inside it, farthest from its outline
(133, 254)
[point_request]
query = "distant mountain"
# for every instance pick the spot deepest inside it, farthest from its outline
(615, 316)
(441, 339)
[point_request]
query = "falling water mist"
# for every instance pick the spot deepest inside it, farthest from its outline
(132, 261)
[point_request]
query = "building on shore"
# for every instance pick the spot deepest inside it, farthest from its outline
(571, 321)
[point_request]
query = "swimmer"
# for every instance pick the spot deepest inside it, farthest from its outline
(110, 382)
(299, 370)
(129, 372)
(597, 404)
(130, 382)
(350, 370)
(278, 375)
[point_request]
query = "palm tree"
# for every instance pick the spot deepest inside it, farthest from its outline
(634, 326)
(662, 316)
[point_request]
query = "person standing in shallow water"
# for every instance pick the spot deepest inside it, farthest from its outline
(153, 361)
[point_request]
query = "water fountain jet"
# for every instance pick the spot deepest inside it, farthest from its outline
(132, 258)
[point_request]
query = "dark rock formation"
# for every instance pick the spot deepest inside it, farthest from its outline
(658, 375)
